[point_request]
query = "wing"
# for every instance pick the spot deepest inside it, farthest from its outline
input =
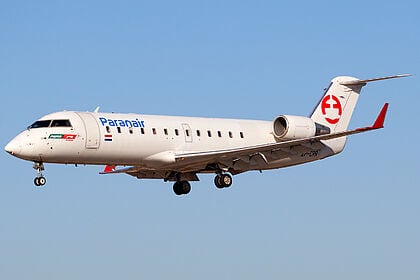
(232, 155)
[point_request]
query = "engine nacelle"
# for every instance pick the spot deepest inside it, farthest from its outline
(294, 127)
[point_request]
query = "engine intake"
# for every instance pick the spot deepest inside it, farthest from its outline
(287, 127)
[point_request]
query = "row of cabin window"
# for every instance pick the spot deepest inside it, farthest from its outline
(165, 131)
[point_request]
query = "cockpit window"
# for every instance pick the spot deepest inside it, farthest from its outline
(61, 123)
(38, 124)
(50, 123)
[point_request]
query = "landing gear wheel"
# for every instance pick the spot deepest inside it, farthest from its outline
(40, 181)
(186, 187)
(226, 180)
(177, 188)
(218, 181)
(223, 181)
(181, 187)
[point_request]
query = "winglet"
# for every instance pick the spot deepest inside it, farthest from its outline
(379, 122)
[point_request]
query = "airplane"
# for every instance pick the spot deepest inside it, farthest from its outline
(177, 149)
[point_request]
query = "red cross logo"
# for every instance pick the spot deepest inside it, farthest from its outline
(331, 109)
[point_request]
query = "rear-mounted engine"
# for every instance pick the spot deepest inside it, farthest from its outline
(288, 127)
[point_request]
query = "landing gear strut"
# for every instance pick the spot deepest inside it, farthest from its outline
(182, 187)
(223, 180)
(40, 180)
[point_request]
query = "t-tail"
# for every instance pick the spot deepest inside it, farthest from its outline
(336, 107)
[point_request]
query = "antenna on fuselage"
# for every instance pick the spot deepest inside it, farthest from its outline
(97, 109)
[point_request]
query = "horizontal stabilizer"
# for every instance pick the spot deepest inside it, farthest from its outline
(362, 82)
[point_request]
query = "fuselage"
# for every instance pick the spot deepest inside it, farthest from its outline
(70, 137)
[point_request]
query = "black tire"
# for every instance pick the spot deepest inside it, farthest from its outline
(186, 187)
(226, 180)
(218, 181)
(36, 182)
(177, 188)
(42, 181)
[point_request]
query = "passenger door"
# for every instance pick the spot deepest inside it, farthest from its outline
(93, 137)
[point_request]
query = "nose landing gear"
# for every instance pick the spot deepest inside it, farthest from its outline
(40, 180)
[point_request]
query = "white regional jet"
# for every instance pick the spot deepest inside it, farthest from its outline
(178, 148)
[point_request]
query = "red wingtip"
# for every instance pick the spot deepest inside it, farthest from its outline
(109, 168)
(379, 122)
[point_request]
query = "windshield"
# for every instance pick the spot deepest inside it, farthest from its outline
(62, 123)
(50, 123)
(38, 124)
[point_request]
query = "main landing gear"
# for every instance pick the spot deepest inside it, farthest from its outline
(40, 180)
(221, 181)
(182, 187)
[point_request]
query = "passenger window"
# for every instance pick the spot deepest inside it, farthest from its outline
(130, 130)
(108, 130)
(154, 131)
(209, 133)
(38, 124)
(187, 132)
(230, 134)
(241, 134)
(198, 133)
(165, 131)
(176, 132)
(61, 123)
(142, 130)
(119, 129)
(219, 134)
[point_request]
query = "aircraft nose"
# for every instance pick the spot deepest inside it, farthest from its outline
(13, 147)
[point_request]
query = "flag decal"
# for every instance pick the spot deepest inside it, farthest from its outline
(108, 137)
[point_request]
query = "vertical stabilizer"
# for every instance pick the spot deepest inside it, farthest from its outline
(337, 104)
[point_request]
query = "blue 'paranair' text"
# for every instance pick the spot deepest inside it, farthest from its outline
(123, 123)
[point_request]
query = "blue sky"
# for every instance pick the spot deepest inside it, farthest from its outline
(354, 216)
